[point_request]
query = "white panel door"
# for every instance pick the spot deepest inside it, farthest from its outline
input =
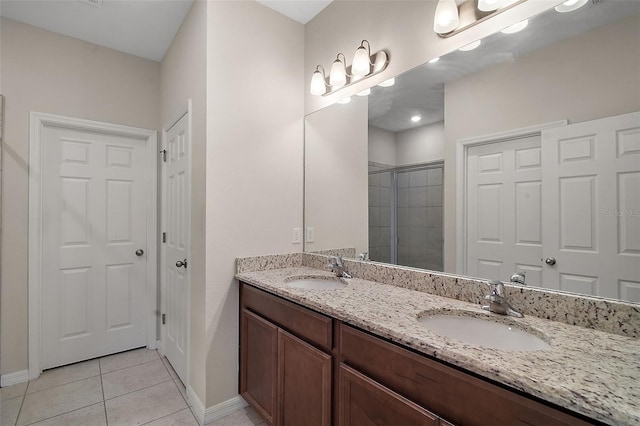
(591, 218)
(176, 225)
(94, 219)
(503, 210)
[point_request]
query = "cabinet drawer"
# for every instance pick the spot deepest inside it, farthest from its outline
(364, 402)
(454, 395)
(304, 323)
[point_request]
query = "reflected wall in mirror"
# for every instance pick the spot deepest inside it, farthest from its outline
(522, 156)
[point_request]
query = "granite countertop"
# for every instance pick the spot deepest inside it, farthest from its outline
(586, 371)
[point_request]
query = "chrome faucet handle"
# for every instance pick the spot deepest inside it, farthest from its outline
(518, 278)
(497, 288)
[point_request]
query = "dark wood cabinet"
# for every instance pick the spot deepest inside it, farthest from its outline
(287, 380)
(364, 402)
(259, 365)
(304, 383)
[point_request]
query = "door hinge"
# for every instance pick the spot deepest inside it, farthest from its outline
(164, 319)
(164, 155)
(164, 237)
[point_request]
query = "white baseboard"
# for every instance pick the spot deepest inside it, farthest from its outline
(218, 411)
(14, 378)
(225, 408)
(197, 407)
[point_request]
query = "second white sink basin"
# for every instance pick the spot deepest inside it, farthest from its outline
(316, 283)
(483, 332)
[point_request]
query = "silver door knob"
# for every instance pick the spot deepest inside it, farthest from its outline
(139, 252)
(550, 261)
(182, 263)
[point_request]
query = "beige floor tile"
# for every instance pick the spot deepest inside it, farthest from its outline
(134, 378)
(181, 418)
(92, 415)
(145, 405)
(127, 359)
(9, 409)
(253, 415)
(62, 375)
(60, 399)
(237, 418)
(172, 372)
(10, 392)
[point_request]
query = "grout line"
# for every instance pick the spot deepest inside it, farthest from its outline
(104, 402)
(170, 414)
(20, 409)
(61, 414)
(61, 384)
(138, 390)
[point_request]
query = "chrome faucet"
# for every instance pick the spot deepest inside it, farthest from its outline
(518, 278)
(498, 302)
(337, 267)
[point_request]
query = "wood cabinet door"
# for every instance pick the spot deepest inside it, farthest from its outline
(364, 402)
(259, 365)
(305, 383)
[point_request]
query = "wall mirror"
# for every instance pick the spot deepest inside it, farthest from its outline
(522, 155)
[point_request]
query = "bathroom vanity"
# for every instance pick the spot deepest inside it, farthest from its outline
(357, 354)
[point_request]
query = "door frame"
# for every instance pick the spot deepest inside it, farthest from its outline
(462, 153)
(185, 109)
(37, 123)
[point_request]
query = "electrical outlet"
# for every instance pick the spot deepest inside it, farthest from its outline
(310, 235)
(297, 235)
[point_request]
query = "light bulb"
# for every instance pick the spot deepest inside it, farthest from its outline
(471, 46)
(570, 5)
(361, 61)
(338, 76)
(434, 60)
(365, 92)
(318, 84)
(489, 5)
(388, 83)
(516, 27)
(344, 100)
(446, 18)
(415, 118)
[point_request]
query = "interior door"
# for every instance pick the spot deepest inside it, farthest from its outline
(94, 235)
(504, 211)
(591, 184)
(175, 248)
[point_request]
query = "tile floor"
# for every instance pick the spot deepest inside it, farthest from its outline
(137, 387)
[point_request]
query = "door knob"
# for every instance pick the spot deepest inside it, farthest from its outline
(550, 261)
(182, 263)
(139, 252)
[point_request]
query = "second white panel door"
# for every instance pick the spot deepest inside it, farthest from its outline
(94, 236)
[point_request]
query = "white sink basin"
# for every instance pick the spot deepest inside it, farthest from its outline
(316, 283)
(483, 332)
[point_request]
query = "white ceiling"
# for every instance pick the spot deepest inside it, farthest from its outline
(299, 10)
(143, 28)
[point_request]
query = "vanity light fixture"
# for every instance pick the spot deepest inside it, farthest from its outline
(516, 27)
(570, 5)
(345, 100)
(318, 82)
(338, 76)
(447, 17)
(364, 65)
(415, 118)
(365, 92)
(453, 16)
(388, 83)
(471, 46)
(434, 60)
